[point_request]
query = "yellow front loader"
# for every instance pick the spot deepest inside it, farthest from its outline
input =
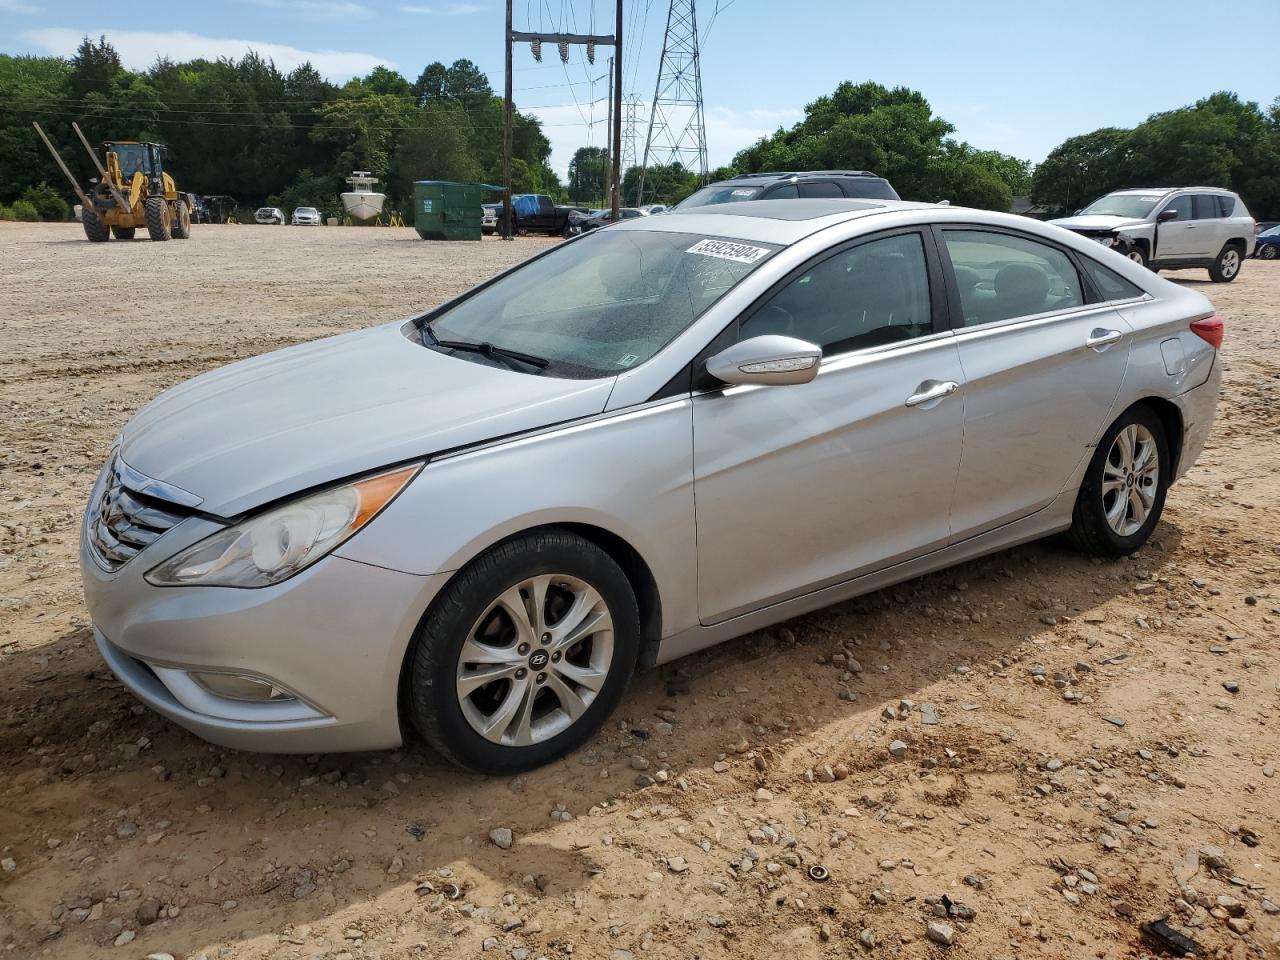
(131, 191)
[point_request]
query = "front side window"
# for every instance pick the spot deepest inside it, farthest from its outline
(866, 296)
(600, 305)
(1181, 206)
(1003, 276)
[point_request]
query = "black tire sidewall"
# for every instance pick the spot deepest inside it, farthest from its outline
(433, 703)
(1089, 511)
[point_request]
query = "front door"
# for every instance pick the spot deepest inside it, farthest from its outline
(1042, 371)
(802, 486)
(1181, 237)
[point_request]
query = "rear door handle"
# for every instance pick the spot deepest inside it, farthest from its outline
(936, 392)
(1100, 339)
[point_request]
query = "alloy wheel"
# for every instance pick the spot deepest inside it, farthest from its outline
(535, 660)
(1230, 264)
(1136, 256)
(1130, 479)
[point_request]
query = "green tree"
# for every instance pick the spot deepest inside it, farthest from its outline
(438, 147)
(1081, 169)
(429, 86)
(589, 175)
(94, 68)
(467, 84)
(47, 202)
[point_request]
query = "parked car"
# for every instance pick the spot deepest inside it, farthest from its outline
(1268, 244)
(649, 209)
(586, 222)
(489, 217)
(268, 215)
(199, 208)
(806, 185)
(306, 217)
(1169, 228)
(1262, 226)
(536, 212)
(286, 555)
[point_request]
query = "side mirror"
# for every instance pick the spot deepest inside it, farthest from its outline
(769, 359)
(1166, 215)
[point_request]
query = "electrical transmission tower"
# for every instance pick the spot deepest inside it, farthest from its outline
(677, 133)
(630, 131)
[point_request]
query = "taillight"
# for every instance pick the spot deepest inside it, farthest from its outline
(1209, 330)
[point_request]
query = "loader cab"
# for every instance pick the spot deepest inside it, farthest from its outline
(135, 157)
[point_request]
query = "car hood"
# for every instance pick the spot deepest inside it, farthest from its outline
(1097, 222)
(260, 429)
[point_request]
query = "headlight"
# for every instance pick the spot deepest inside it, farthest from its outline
(275, 545)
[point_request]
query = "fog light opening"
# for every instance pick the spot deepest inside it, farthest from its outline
(234, 686)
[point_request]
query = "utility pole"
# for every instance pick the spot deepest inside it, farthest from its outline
(607, 153)
(616, 100)
(562, 40)
(506, 141)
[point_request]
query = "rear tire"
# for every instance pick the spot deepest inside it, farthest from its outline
(1227, 266)
(94, 228)
(123, 233)
(537, 704)
(181, 220)
(158, 220)
(1122, 495)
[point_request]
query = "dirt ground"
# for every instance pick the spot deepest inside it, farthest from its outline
(1104, 751)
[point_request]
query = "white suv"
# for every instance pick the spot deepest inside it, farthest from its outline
(1166, 228)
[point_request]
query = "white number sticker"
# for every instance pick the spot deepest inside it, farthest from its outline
(726, 250)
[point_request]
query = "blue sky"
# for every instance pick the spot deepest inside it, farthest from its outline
(1012, 76)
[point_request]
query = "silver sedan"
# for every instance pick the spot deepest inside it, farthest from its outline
(477, 523)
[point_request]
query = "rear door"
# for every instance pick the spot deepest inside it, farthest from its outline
(1042, 371)
(802, 486)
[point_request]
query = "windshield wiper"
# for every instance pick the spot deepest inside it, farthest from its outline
(486, 349)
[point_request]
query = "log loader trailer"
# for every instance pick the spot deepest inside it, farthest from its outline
(131, 190)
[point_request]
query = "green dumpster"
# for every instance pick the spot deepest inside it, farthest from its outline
(444, 210)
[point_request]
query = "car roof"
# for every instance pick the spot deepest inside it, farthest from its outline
(768, 221)
(769, 176)
(1164, 190)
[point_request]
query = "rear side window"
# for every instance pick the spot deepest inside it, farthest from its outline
(1003, 276)
(869, 295)
(1226, 206)
(1206, 206)
(868, 188)
(1110, 284)
(817, 189)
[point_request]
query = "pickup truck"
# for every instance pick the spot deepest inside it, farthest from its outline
(535, 211)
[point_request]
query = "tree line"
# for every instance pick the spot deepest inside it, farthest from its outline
(242, 128)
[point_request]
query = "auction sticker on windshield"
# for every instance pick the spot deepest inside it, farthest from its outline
(727, 250)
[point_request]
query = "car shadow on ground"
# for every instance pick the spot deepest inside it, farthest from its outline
(288, 839)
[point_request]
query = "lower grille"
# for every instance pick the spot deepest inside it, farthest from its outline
(123, 521)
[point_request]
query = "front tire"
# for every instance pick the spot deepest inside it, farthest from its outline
(1269, 252)
(1122, 496)
(94, 229)
(1227, 266)
(1138, 254)
(158, 220)
(524, 653)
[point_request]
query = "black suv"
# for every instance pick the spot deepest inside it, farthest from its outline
(857, 184)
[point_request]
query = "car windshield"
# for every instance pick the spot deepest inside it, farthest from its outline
(602, 304)
(717, 193)
(1273, 232)
(1136, 205)
(307, 210)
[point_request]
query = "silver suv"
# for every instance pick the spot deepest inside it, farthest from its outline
(1169, 227)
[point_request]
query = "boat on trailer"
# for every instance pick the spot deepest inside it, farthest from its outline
(362, 202)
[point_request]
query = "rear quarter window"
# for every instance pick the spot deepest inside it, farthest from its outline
(1226, 206)
(1109, 284)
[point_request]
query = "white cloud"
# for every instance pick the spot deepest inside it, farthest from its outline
(16, 6)
(316, 9)
(443, 10)
(139, 49)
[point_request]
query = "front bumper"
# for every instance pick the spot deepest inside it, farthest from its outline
(334, 637)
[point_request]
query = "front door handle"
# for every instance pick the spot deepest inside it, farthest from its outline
(1100, 339)
(926, 394)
